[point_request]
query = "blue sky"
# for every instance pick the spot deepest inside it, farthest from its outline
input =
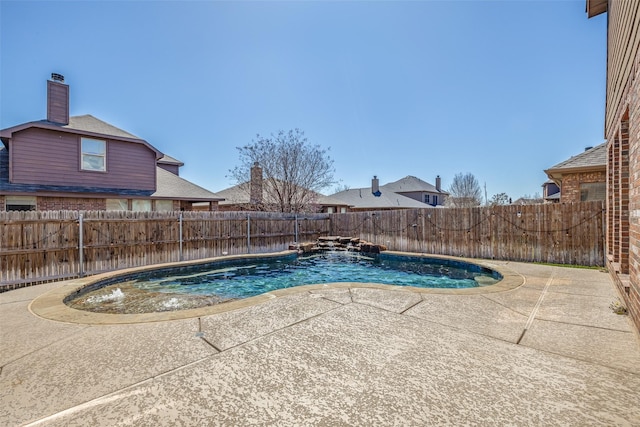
(499, 89)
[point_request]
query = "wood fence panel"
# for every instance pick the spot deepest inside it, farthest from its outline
(39, 246)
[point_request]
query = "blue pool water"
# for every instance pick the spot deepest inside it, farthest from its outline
(254, 278)
(195, 286)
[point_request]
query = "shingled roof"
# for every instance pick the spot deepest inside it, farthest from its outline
(410, 184)
(239, 195)
(171, 186)
(595, 157)
(363, 198)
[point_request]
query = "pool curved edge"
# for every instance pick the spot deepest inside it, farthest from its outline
(51, 306)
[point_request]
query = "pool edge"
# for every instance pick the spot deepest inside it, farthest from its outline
(51, 306)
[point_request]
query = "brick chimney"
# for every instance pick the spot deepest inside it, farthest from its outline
(438, 183)
(255, 191)
(375, 186)
(57, 100)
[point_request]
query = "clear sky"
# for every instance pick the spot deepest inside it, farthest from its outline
(499, 89)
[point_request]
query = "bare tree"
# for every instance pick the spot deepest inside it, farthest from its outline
(464, 191)
(294, 171)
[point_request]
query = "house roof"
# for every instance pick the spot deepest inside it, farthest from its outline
(82, 125)
(410, 184)
(592, 159)
(239, 194)
(363, 198)
(88, 123)
(168, 160)
(171, 186)
(596, 156)
(525, 201)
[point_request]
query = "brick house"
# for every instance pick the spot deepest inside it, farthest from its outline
(582, 177)
(622, 131)
(83, 163)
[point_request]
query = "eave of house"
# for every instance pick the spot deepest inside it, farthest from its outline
(596, 7)
(556, 174)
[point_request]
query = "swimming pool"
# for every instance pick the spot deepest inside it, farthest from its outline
(179, 288)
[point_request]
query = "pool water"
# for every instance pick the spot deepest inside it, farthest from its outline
(190, 287)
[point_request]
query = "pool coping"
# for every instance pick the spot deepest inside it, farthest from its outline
(51, 306)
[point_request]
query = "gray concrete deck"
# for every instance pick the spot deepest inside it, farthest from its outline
(547, 352)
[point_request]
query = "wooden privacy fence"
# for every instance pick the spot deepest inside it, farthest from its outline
(548, 233)
(49, 245)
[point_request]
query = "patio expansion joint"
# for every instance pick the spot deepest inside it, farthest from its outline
(16, 301)
(604, 328)
(114, 395)
(273, 332)
(488, 297)
(83, 328)
(413, 305)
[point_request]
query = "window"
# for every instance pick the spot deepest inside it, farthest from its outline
(94, 155)
(117, 205)
(593, 191)
(20, 203)
(164, 205)
(343, 210)
(141, 205)
(330, 209)
(435, 200)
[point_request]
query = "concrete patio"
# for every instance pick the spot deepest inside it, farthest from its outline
(549, 351)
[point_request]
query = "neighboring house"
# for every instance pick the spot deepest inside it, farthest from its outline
(406, 193)
(527, 201)
(622, 132)
(550, 192)
(582, 177)
(83, 163)
(258, 194)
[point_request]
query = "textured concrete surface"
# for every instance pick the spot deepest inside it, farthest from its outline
(547, 352)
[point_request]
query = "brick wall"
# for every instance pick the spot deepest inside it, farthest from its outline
(571, 184)
(634, 195)
(68, 203)
(2, 205)
(623, 195)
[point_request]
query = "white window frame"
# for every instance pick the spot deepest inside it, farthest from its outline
(86, 152)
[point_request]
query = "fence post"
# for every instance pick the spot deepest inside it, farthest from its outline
(296, 228)
(248, 233)
(180, 250)
(81, 245)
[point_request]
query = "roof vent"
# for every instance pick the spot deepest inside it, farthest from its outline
(587, 148)
(57, 77)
